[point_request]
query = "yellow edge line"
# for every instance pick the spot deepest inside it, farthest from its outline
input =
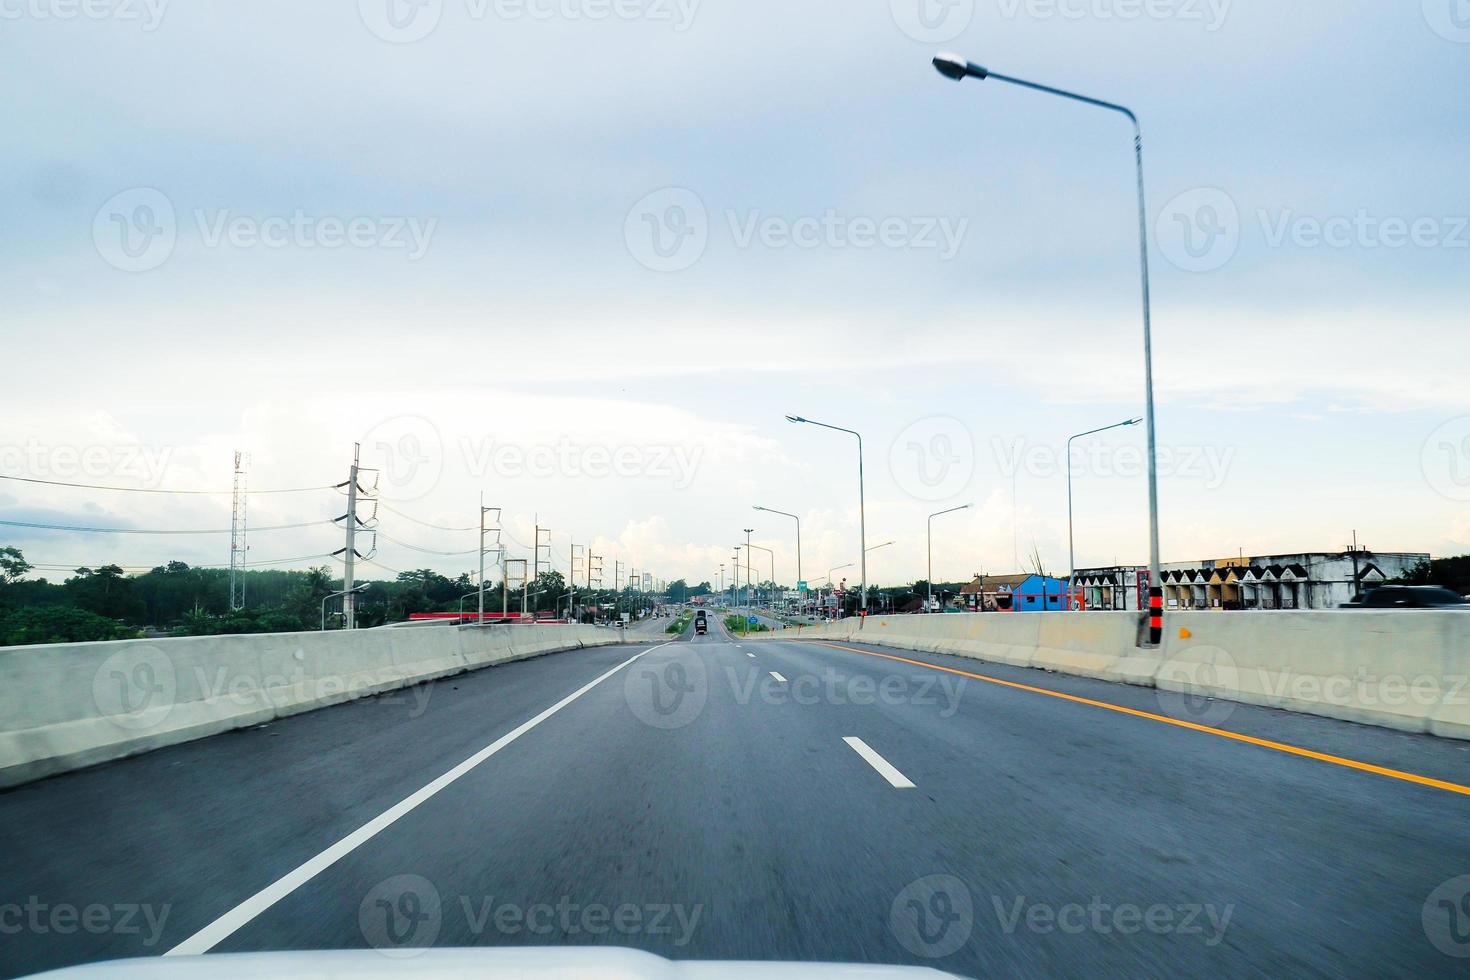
(1336, 760)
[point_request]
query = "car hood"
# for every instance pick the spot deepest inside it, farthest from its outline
(602, 963)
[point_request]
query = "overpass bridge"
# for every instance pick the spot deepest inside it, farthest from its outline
(882, 795)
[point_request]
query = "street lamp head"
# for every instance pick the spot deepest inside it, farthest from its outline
(954, 67)
(1133, 422)
(795, 418)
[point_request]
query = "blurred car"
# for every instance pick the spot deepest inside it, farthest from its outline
(1410, 597)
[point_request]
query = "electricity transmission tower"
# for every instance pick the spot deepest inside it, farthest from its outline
(237, 535)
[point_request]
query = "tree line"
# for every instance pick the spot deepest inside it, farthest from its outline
(177, 599)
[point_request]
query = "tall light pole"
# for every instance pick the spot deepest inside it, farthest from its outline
(875, 547)
(768, 510)
(771, 554)
(1071, 554)
(837, 568)
(748, 532)
(354, 591)
(862, 503)
(929, 547)
(957, 68)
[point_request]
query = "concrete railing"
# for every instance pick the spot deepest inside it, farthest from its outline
(1404, 670)
(68, 705)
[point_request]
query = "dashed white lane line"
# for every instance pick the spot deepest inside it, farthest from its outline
(778, 677)
(236, 918)
(751, 656)
(884, 767)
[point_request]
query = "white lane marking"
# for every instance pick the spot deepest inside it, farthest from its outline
(777, 676)
(884, 767)
(751, 656)
(232, 921)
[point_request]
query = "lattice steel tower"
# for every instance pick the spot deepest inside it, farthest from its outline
(237, 535)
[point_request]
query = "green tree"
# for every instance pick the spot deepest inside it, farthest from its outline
(13, 565)
(106, 592)
(58, 624)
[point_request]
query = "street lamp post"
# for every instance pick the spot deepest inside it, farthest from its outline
(748, 532)
(1071, 554)
(771, 554)
(358, 590)
(735, 579)
(957, 68)
(800, 591)
(837, 568)
(862, 503)
(929, 548)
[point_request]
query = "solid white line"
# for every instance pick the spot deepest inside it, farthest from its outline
(778, 677)
(884, 767)
(226, 925)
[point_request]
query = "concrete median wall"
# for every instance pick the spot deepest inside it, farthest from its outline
(68, 705)
(1404, 670)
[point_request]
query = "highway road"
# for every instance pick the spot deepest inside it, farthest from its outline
(767, 799)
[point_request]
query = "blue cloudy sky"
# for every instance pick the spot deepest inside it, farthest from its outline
(583, 255)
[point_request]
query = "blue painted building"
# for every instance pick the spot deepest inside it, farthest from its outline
(1038, 593)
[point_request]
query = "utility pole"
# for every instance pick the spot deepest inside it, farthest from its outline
(1357, 585)
(572, 573)
(351, 522)
(504, 586)
(617, 588)
(349, 600)
(495, 529)
(594, 574)
(538, 548)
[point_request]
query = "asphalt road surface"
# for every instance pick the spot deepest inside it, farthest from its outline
(768, 799)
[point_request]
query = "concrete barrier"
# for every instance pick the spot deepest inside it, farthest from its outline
(1404, 670)
(68, 705)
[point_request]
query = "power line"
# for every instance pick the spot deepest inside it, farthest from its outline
(100, 486)
(64, 567)
(132, 530)
(427, 551)
(437, 527)
(374, 561)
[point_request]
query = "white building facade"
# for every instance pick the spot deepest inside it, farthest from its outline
(1265, 582)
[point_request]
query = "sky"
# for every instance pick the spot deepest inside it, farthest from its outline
(584, 256)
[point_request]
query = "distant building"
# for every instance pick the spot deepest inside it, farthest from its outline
(987, 593)
(1321, 580)
(1039, 593)
(1013, 593)
(1115, 588)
